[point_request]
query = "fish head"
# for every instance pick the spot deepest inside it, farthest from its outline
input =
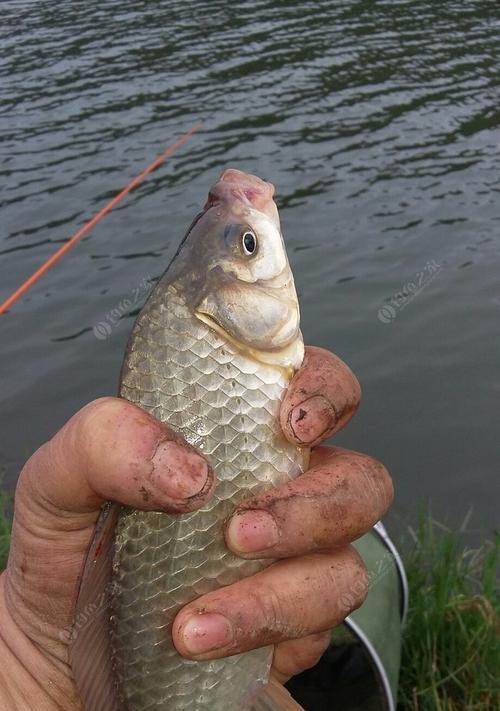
(233, 271)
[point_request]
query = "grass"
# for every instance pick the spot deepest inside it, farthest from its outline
(451, 649)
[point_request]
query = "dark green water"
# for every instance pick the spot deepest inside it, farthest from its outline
(379, 123)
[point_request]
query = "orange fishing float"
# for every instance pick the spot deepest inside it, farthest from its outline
(88, 225)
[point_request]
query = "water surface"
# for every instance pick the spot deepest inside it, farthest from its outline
(379, 123)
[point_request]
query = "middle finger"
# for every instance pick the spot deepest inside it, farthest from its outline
(335, 502)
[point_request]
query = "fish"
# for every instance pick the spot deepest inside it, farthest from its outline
(211, 354)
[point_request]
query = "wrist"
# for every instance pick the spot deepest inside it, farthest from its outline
(12, 683)
(29, 678)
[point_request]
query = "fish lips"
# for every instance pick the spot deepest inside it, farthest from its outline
(237, 190)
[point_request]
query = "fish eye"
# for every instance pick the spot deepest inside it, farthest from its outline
(249, 242)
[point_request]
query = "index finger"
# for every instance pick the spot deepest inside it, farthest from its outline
(320, 400)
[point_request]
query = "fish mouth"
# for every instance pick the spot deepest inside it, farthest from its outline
(212, 323)
(238, 189)
(288, 358)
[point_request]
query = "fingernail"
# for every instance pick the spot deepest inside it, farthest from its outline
(312, 418)
(204, 633)
(252, 531)
(181, 473)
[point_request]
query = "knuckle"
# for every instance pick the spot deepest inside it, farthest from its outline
(270, 610)
(30, 473)
(99, 413)
(375, 480)
(91, 436)
(381, 482)
(360, 579)
(357, 391)
(274, 617)
(356, 584)
(385, 484)
(104, 423)
(35, 460)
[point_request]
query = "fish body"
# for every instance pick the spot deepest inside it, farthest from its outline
(211, 354)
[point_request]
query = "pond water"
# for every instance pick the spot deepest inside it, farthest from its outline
(379, 124)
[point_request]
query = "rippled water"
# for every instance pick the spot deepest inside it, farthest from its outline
(379, 124)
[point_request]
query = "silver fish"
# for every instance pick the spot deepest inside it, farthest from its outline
(211, 354)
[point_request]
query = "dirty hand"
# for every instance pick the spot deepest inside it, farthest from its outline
(111, 450)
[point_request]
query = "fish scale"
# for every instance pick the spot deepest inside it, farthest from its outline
(227, 405)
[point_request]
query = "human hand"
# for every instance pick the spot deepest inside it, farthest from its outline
(106, 451)
(109, 450)
(307, 526)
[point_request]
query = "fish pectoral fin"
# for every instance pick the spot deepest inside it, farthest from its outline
(274, 697)
(89, 643)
